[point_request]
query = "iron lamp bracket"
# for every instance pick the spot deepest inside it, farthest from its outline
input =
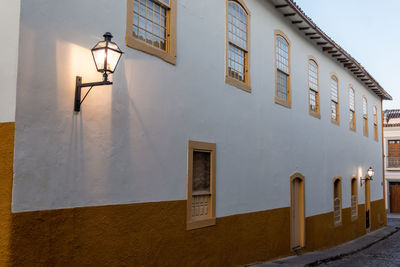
(78, 90)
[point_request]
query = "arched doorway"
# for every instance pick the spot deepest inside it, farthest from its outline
(297, 210)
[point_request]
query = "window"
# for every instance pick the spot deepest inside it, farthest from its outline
(238, 45)
(354, 198)
(375, 117)
(313, 84)
(282, 62)
(151, 27)
(334, 100)
(201, 185)
(365, 117)
(393, 154)
(337, 200)
(352, 111)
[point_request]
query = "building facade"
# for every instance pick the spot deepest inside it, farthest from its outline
(231, 135)
(391, 133)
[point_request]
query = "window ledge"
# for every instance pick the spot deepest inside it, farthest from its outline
(315, 114)
(238, 84)
(132, 42)
(336, 122)
(200, 223)
(354, 218)
(352, 129)
(286, 104)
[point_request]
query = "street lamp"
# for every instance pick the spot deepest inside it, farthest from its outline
(369, 175)
(106, 55)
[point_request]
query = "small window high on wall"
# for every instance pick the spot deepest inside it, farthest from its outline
(365, 117)
(352, 110)
(313, 87)
(334, 99)
(282, 70)
(151, 27)
(201, 185)
(237, 65)
(375, 115)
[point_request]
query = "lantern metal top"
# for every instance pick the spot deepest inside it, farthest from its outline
(107, 36)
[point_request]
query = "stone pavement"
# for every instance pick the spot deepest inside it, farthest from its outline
(351, 254)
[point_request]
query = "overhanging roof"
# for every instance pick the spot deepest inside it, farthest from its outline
(292, 12)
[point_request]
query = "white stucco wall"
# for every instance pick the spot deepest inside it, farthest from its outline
(9, 28)
(129, 143)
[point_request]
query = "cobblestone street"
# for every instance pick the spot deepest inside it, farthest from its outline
(383, 253)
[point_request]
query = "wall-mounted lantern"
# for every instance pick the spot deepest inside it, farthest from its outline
(106, 55)
(369, 175)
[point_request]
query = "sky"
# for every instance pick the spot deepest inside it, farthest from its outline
(367, 29)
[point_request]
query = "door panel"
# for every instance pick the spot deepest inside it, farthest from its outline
(394, 191)
(297, 210)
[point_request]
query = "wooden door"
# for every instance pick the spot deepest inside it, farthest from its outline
(367, 204)
(297, 213)
(394, 190)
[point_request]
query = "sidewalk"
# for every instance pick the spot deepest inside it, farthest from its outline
(317, 257)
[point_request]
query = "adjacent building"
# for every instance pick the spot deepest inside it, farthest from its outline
(391, 133)
(235, 131)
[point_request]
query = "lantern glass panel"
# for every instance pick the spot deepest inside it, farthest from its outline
(112, 59)
(99, 54)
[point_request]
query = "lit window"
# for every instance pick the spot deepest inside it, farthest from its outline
(352, 111)
(337, 201)
(201, 185)
(354, 199)
(282, 90)
(365, 117)
(375, 115)
(151, 27)
(313, 87)
(334, 100)
(238, 53)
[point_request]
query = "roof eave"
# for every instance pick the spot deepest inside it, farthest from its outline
(296, 16)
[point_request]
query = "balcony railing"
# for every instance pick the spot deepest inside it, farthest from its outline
(393, 162)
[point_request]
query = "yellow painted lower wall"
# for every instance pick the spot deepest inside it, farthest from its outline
(6, 175)
(151, 234)
(154, 234)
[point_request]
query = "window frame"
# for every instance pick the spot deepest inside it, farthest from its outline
(170, 54)
(337, 120)
(375, 122)
(211, 148)
(365, 117)
(288, 102)
(245, 86)
(339, 179)
(354, 125)
(354, 189)
(316, 114)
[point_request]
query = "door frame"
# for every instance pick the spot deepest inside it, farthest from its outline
(302, 205)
